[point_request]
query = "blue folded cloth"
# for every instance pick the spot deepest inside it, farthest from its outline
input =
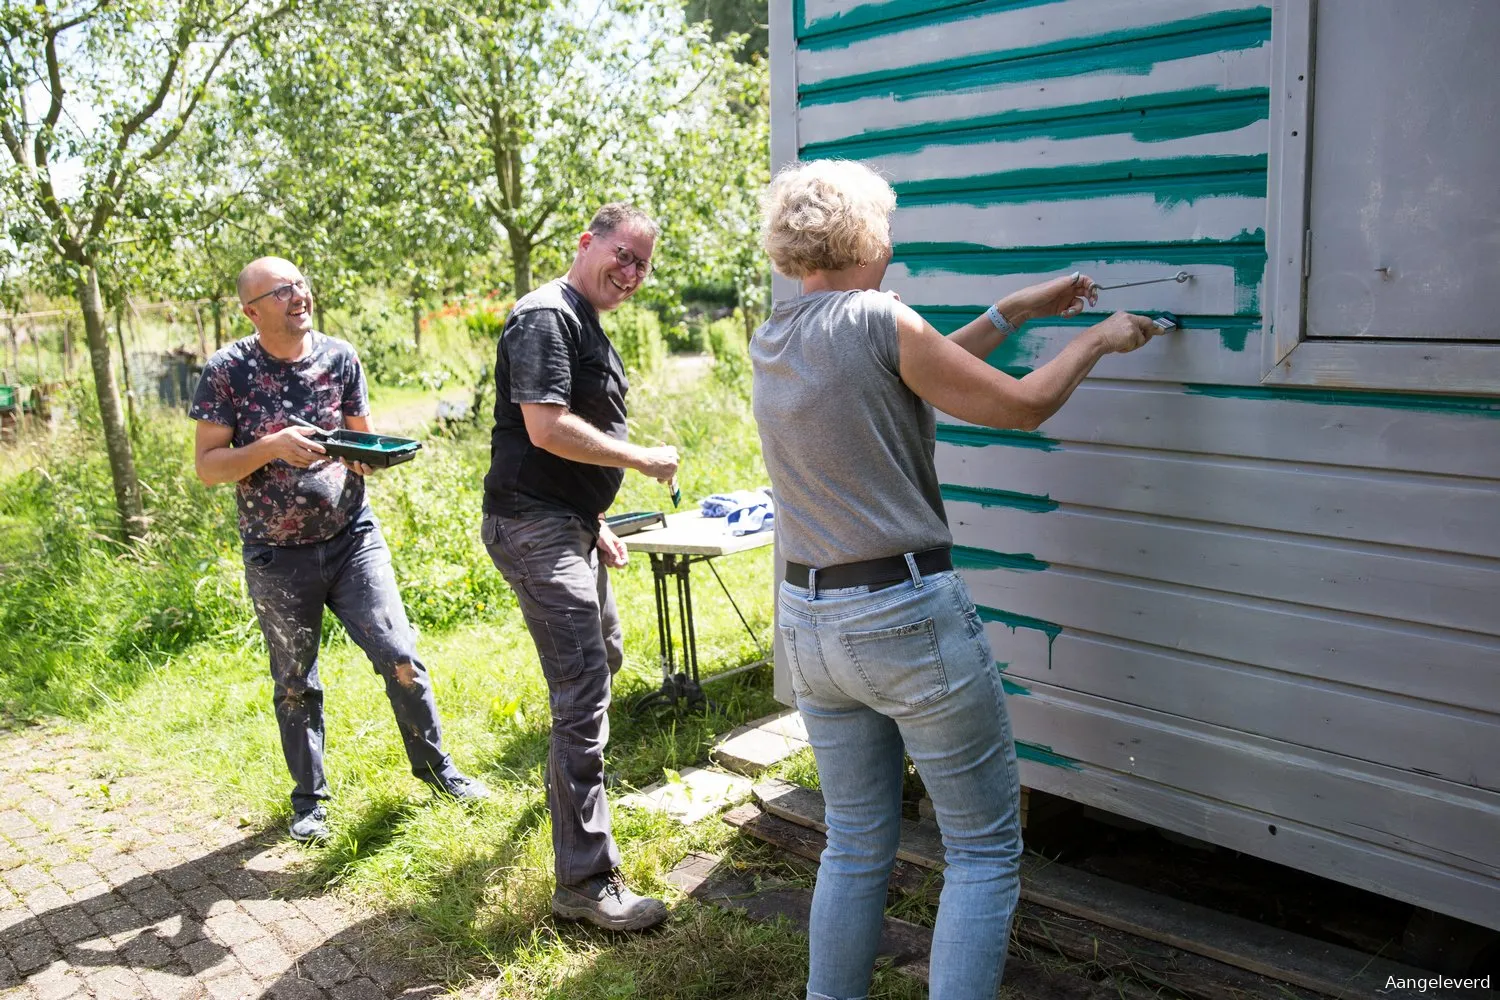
(720, 504)
(751, 518)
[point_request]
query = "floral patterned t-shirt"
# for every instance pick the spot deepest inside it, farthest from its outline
(248, 390)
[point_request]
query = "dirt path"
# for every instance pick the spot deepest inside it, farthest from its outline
(105, 892)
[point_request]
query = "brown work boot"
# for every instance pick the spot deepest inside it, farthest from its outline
(605, 901)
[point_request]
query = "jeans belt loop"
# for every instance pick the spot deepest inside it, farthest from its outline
(916, 574)
(812, 583)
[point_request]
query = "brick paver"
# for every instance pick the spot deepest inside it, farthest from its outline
(104, 894)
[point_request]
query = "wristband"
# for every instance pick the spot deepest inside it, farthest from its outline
(998, 321)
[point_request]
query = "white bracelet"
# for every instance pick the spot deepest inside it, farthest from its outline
(998, 321)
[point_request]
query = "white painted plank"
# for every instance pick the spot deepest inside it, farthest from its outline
(1198, 353)
(1230, 70)
(1118, 219)
(1371, 437)
(1362, 505)
(1407, 585)
(943, 160)
(1465, 895)
(1391, 809)
(1023, 28)
(1405, 734)
(1212, 290)
(1451, 668)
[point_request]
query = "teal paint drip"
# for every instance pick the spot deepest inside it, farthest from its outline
(1245, 255)
(1013, 622)
(1156, 117)
(1045, 755)
(983, 437)
(1030, 502)
(1132, 51)
(1172, 181)
(1480, 406)
(969, 557)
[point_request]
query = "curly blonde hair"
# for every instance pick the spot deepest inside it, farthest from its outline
(826, 215)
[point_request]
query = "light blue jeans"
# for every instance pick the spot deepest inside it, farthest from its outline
(877, 675)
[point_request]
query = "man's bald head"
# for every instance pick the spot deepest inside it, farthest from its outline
(268, 271)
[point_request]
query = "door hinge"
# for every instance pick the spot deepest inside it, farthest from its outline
(1306, 253)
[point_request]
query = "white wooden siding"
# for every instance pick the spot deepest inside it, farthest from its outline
(1264, 617)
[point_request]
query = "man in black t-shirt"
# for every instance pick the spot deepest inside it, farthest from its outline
(557, 456)
(310, 538)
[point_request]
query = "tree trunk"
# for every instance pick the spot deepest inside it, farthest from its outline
(116, 438)
(319, 318)
(125, 369)
(202, 334)
(520, 262)
(67, 348)
(15, 350)
(218, 308)
(416, 323)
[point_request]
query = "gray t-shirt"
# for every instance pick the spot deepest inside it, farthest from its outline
(849, 447)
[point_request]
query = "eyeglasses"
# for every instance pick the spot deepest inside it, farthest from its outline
(283, 293)
(627, 259)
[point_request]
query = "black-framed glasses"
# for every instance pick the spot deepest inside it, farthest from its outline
(283, 293)
(627, 258)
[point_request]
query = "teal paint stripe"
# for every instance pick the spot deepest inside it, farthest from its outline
(1045, 755)
(1030, 502)
(1481, 406)
(1010, 686)
(1245, 255)
(983, 437)
(1013, 621)
(1023, 345)
(1147, 118)
(1171, 181)
(872, 20)
(1133, 51)
(969, 557)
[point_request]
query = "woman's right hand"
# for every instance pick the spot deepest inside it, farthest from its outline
(1124, 332)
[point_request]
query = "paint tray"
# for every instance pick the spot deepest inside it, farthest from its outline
(379, 450)
(629, 524)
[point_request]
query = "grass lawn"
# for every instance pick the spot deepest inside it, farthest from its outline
(157, 655)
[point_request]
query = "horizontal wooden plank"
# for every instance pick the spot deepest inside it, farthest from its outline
(1105, 219)
(1219, 349)
(1458, 893)
(1450, 668)
(1430, 367)
(1319, 500)
(1069, 119)
(1403, 585)
(1028, 31)
(1436, 740)
(1395, 810)
(1216, 289)
(1407, 433)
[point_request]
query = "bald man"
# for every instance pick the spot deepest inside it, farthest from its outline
(310, 538)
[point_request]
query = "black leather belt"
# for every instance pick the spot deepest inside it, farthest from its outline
(886, 571)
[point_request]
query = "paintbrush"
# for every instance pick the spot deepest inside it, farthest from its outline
(676, 493)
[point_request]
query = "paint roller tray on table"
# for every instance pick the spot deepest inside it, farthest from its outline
(381, 450)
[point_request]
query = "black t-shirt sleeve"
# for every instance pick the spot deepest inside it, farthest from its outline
(213, 400)
(540, 350)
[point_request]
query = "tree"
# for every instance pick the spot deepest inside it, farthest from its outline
(115, 83)
(736, 17)
(531, 113)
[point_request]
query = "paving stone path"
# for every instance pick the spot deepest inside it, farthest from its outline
(105, 893)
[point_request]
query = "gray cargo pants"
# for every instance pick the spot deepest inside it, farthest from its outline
(553, 565)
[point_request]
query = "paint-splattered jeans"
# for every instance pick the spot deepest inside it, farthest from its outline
(905, 668)
(351, 574)
(553, 565)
